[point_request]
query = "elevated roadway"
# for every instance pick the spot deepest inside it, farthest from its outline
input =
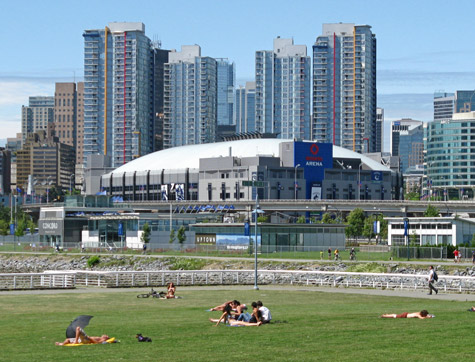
(387, 207)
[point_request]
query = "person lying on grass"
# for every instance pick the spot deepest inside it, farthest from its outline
(235, 323)
(83, 338)
(222, 306)
(423, 314)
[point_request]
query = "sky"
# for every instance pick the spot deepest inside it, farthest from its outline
(422, 46)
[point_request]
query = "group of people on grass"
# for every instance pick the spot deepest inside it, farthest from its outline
(236, 314)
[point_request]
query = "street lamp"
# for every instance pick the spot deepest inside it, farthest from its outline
(295, 181)
(256, 211)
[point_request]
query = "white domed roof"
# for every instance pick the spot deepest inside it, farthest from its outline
(189, 156)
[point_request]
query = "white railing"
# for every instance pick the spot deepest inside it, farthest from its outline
(118, 279)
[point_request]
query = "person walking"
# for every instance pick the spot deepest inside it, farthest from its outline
(432, 280)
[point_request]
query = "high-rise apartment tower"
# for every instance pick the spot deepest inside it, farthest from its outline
(118, 92)
(344, 88)
(283, 90)
(190, 98)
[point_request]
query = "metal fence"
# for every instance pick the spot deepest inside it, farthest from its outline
(115, 279)
(367, 252)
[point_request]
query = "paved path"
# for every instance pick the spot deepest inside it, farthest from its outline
(388, 293)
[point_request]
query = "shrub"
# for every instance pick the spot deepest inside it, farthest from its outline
(93, 261)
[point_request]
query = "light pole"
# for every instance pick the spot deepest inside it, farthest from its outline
(295, 181)
(256, 212)
(359, 181)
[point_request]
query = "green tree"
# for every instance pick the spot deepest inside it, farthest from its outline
(145, 238)
(413, 238)
(355, 221)
(21, 227)
(327, 219)
(415, 196)
(172, 236)
(4, 227)
(368, 229)
(431, 211)
(301, 219)
(262, 218)
(181, 236)
(5, 213)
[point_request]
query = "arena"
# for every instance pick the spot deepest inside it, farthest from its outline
(284, 169)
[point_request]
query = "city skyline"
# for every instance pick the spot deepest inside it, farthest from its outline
(421, 46)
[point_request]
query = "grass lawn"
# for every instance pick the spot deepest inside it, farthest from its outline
(313, 326)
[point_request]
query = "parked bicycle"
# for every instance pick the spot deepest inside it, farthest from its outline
(153, 294)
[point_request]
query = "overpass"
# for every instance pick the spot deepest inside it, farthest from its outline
(393, 208)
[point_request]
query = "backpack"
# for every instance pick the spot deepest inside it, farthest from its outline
(435, 276)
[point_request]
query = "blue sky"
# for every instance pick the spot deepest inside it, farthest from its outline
(423, 46)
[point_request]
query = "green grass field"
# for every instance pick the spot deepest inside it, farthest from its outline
(311, 326)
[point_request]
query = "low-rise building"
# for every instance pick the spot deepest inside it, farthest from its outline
(431, 230)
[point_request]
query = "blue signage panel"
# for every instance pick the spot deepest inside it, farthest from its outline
(314, 158)
(377, 176)
(120, 229)
(247, 231)
(12, 229)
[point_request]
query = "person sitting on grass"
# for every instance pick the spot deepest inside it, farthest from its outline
(423, 314)
(256, 315)
(238, 309)
(265, 312)
(225, 317)
(83, 338)
(171, 289)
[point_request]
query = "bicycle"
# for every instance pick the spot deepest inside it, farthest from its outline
(152, 294)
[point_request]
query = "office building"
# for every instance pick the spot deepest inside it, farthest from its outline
(190, 98)
(13, 145)
(443, 105)
(464, 101)
(407, 142)
(45, 161)
(5, 171)
(344, 88)
(118, 92)
(283, 90)
(37, 115)
(160, 58)
(245, 108)
(449, 171)
(225, 91)
(69, 116)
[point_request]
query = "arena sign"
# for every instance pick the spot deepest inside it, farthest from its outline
(314, 158)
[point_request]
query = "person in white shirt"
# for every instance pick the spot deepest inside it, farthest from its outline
(265, 312)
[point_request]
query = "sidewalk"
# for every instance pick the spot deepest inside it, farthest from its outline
(419, 294)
